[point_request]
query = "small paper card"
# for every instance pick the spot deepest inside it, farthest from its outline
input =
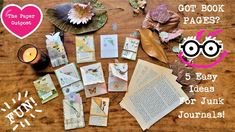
(45, 88)
(109, 46)
(73, 112)
(118, 77)
(93, 80)
(99, 111)
(56, 50)
(85, 48)
(130, 48)
(69, 79)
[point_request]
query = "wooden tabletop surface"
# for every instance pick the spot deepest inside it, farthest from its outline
(17, 77)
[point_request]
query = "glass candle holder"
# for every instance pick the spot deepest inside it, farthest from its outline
(30, 54)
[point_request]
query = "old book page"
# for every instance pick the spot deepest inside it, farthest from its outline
(144, 72)
(153, 93)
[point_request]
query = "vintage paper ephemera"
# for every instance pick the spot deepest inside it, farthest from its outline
(73, 112)
(56, 50)
(45, 88)
(99, 111)
(149, 100)
(85, 48)
(130, 48)
(93, 79)
(69, 79)
(118, 77)
(144, 71)
(109, 46)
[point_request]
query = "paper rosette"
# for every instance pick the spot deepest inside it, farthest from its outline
(60, 19)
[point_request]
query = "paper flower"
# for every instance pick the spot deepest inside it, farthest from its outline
(80, 13)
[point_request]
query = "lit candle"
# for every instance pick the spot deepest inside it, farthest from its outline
(30, 54)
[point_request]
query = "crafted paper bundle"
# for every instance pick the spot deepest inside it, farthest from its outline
(130, 48)
(45, 88)
(118, 77)
(56, 50)
(99, 111)
(85, 48)
(73, 112)
(109, 46)
(93, 80)
(69, 79)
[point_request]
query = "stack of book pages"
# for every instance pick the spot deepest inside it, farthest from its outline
(152, 93)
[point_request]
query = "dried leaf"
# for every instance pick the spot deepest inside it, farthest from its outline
(160, 14)
(190, 94)
(171, 24)
(85, 1)
(179, 69)
(62, 11)
(168, 26)
(152, 45)
(97, 22)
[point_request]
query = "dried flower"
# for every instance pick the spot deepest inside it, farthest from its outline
(80, 13)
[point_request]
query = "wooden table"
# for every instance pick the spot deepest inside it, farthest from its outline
(17, 77)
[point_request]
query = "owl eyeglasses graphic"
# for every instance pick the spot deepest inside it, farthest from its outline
(210, 48)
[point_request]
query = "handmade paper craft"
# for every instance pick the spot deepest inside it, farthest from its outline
(73, 112)
(109, 46)
(56, 50)
(69, 79)
(45, 88)
(93, 79)
(118, 77)
(130, 48)
(85, 48)
(99, 111)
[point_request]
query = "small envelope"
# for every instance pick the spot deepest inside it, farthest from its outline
(85, 48)
(69, 79)
(109, 46)
(73, 112)
(118, 77)
(99, 111)
(130, 48)
(73, 88)
(93, 80)
(45, 88)
(56, 50)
